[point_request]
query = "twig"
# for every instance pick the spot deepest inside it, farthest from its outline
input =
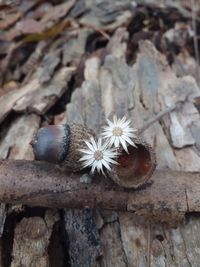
(195, 39)
(159, 116)
(90, 26)
(42, 184)
(193, 7)
(149, 244)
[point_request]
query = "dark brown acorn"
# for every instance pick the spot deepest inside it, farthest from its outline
(60, 144)
(135, 168)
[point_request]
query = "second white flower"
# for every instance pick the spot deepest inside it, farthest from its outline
(119, 133)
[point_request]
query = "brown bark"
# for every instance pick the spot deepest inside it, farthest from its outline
(168, 196)
(32, 238)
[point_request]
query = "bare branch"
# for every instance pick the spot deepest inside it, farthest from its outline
(40, 184)
(161, 114)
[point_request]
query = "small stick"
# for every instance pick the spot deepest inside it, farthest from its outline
(193, 7)
(159, 116)
(195, 38)
(42, 184)
(102, 32)
(149, 244)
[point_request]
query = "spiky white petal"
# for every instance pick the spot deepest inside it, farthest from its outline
(119, 133)
(98, 155)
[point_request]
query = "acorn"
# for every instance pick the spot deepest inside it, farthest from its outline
(136, 167)
(60, 144)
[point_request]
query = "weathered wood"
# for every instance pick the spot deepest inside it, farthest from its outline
(15, 144)
(34, 96)
(31, 240)
(157, 88)
(87, 107)
(84, 229)
(113, 253)
(28, 250)
(140, 92)
(168, 196)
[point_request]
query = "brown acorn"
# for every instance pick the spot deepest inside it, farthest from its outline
(134, 169)
(60, 144)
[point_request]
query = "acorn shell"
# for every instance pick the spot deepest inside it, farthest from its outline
(135, 168)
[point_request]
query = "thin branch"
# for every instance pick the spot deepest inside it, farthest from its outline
(149, 244)
(42, 184)
(194, 26)
(195, 38)
(159, 116)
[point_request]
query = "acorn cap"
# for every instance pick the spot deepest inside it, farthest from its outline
(135, 168)
(79, 133)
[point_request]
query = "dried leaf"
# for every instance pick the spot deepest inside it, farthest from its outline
(50, 33)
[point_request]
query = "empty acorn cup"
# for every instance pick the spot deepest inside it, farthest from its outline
(134, 169)
(60, 144)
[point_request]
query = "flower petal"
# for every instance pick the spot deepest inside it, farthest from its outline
(108, 159)
(110, 123)
(99, 144)
(109, 133)
(94, 166)
(104, 145)
(106, 128)
(86, 151)
(112, 140)
(117, 141)
(115, 119)
(93, 143)
(110, 154)
(130, 134)
(123, 120)
(90, 146)
(126, 124)
(128, 140)
(99, 166)
(86, 157)
(105, 164)
(88, 163)
(129, 130)
(123, 142)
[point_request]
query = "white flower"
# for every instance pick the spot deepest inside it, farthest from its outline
(98, 155)
(119, 133)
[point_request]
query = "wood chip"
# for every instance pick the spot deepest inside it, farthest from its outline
(16, 142)
(34, 97)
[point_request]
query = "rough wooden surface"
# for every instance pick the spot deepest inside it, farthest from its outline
(31, 235)
(83, 236)
(44, 95)
(30, 247)
(113, 87)
(106, 85)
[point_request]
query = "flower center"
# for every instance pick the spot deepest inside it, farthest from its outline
(98, 155)
(117, 131)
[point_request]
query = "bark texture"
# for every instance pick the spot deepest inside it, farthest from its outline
(141, 92)
(112, 87)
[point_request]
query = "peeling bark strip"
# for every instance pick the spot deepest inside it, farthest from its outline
(170, 195)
